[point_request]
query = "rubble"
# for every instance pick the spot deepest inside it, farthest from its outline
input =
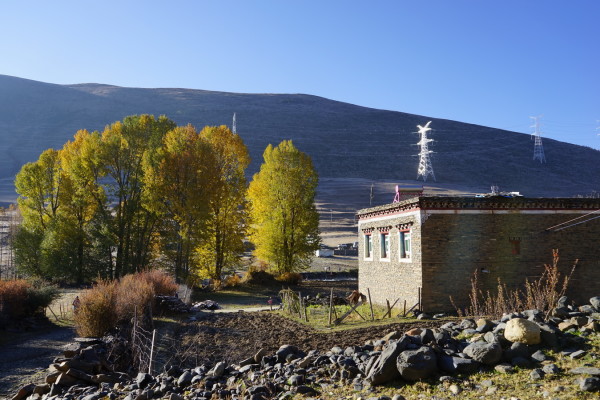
(454, 348)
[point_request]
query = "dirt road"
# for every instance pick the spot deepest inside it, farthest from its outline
(23, 359)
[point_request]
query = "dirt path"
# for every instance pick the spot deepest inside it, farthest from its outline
(22, 358)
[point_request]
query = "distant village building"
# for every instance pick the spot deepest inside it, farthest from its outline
(431, 246)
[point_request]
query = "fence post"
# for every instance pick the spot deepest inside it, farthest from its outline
(330, 305)
(370, 304)
(151, 352)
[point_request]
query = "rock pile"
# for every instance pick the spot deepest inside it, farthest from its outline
(171, 304)
(516, 340)
(206, 305)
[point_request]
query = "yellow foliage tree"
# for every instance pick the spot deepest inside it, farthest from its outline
(228, 215)
(285, 226)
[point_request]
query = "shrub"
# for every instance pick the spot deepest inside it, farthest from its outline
(40, 298)
(97, 314)
(259, 277)
(134, 295)
(13, 298)
(232, 281)
(163, 283)
(291, 278)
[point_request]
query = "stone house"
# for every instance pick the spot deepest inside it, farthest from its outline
(431, 246)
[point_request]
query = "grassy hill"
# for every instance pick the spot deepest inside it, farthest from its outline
(345, 141)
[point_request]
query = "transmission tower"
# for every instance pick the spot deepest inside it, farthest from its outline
(234, 128)
(425, 167)
(538, 149)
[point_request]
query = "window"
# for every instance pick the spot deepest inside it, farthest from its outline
(405, 245)
(368, 246)
(385, 245)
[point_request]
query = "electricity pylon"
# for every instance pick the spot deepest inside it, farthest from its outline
(538, 149)
(425, 167)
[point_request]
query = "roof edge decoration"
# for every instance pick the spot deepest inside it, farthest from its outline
(475, 203)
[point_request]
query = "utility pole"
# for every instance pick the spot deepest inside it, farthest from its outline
(234, 127)
(425, 167)
(538, 149)
(371, 196)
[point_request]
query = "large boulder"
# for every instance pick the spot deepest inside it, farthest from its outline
(384, 368)
(595, 302)
(522, 331)
(417, 364)
(485, 353)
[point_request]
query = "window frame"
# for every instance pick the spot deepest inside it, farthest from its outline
(403, 255)
(384, 246)
(368, 247)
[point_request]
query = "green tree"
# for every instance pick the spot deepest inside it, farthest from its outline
(228, 208)
(285, 227)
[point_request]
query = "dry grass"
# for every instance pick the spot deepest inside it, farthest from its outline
(541, 294)
(107, 303)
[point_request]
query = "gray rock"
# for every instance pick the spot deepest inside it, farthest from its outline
(485, 353)
(427, 336)
(551, 369)
(284, 351)
(398, 397)
(577, 354)
(504, 368)
(143, 380)
(539, 356)
(548, 335)
(589, 384)
(587, 309)
(516, 350)
(217, 370)
(563, 302)
(521, 362)
(336, 350)
(536, 374)
(560, 312)
(484, 325)
(459, 365)
(468, 324)
(585, 370)
(595, 302)
(184, 379)
(417, 364)
(296, 380)
(384, 368)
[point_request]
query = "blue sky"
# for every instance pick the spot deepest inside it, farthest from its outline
(493, 63)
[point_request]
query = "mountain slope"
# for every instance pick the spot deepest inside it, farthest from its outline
(344, 140)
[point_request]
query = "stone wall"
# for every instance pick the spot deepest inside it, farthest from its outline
(393, 279)
(511, 246)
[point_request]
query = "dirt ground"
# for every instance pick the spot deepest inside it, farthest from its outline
(234, 337)
(24, 358)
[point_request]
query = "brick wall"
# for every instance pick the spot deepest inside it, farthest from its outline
(454, 245)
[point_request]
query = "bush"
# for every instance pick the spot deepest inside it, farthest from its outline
(259, 277)
(109, 303)
(232, 281)
(40, 298)
(97, 314)
(13, 298)
(291, 278)
(134, 296)
(163, 284)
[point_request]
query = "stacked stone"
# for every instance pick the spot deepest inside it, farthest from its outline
(171, 304)
(468, 346)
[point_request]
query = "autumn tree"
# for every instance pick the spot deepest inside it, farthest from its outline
(285, 227)
(178, 186)
(124, 145)
(228, 210)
